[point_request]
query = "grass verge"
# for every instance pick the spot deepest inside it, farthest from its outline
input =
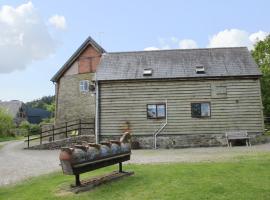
(9, 138)
(247, 178)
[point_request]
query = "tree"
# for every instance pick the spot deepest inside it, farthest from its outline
(6, 123)
(261, 54)
(31, 129)
(43, 103)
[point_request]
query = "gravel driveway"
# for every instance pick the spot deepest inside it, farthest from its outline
(17, 164)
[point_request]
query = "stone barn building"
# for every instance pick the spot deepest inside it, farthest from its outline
(168, 98)
(74, 96)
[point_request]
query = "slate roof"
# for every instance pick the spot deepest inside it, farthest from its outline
(12, 107)
(178, 63)
(70, 61)
(35, 115)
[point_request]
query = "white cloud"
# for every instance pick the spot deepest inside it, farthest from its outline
(225, 38)
(229, 38)
(188, 44)
(59, 22)
(24, 37)
(255, 37)
(235, 37)
(151, 48)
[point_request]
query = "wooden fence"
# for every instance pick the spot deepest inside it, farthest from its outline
(63, 130)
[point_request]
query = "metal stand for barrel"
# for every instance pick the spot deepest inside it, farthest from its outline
(77, 176)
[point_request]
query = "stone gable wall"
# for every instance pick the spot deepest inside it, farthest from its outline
(71, 103)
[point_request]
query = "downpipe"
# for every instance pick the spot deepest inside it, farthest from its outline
(164, 125)
(97, 113)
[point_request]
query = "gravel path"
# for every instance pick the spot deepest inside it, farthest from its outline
(17, 164)
(203, 154)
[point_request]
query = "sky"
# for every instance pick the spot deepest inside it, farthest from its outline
(38, 37)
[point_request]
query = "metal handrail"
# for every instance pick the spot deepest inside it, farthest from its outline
(66, 127)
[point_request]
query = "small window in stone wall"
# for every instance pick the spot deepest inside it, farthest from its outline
(84, 86)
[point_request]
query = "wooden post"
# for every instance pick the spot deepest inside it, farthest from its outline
(40, 137)
(53, 133)
(120, 167)
(28, 138)
(80, 126)
(66, 130)
(77, 180)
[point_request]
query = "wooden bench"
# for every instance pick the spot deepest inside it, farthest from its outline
(237, 135)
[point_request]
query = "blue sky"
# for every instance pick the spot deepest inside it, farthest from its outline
(119, 26)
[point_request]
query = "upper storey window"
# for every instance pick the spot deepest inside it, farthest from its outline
(84, 86)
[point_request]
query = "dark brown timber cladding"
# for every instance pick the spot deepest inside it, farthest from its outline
(123, 101)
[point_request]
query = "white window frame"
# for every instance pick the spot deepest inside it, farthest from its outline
(84, 86)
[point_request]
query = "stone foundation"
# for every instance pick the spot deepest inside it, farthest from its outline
(163, 141)
(68, 142)
(181, 141)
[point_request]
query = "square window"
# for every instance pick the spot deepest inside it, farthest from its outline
(156, 111)
(200, 110)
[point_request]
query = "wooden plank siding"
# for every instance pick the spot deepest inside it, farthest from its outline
(122, 101)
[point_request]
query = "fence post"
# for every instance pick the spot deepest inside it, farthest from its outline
(66, 130)
(80, 126)
(53, 133)
(28, 138)
(40, 138)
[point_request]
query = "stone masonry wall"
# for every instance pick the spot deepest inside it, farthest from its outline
(69, 142)
(146, 142)
(71, 103)
(181, 141)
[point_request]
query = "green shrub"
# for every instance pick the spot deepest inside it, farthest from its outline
(32, 129)
(25, 125)
(6, 123)
(47, 121)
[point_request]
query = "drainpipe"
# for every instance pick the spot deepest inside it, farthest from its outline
(159, 130)
(97, 113)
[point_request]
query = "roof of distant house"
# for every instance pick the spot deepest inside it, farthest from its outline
(12, 107)
(35, 115)
(38, 112)
(178, 63)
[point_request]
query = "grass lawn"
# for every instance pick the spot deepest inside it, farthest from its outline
(9, 138)
(246, 178)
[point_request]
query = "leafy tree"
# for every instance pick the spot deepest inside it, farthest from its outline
(25, 125)
(46, 103)
(6, 123)
(261, 54)
(31, 129)
(43, 102)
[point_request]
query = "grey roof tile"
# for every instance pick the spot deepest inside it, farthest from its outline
(179, 63)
